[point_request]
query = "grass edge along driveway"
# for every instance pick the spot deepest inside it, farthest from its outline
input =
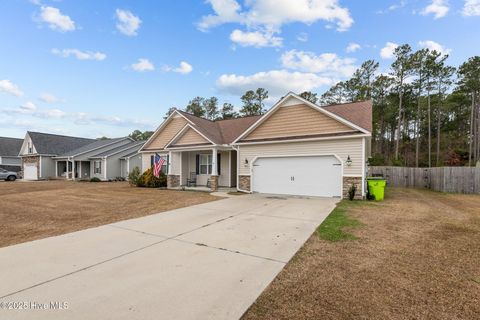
(413, 256)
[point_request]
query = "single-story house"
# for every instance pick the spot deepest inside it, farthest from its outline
(9, 150)
(47, 156)
(116, 162)
(296, 148)
(38, 150)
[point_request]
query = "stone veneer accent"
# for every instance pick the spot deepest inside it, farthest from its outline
(31, 159)
(244, 183)
(173, 181)
(214, 183)
(347, 182)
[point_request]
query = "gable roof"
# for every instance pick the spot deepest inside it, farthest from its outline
(220, 131)
(359, 113)
(46, 143)
(91, 146)
(323, 110)
(123, 149)
(10, 147)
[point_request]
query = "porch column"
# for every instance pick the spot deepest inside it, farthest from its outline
(73, 169)
(214, 175)
(169, 164)
(56, 168)
(80, 169)
(66, 171)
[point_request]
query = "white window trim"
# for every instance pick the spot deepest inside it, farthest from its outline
(99, 167)
(208, 163)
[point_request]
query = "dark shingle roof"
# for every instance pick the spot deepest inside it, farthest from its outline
(91, 146)
(10, 147)
(358, 113)
(46, 143)
(221, 131)
(123, 149)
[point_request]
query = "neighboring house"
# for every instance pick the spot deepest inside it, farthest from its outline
(296, 148)
(47, 156)
(38, 149)
(9, 150)
(100, 159)
(116, 162)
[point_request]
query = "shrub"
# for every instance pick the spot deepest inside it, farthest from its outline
(134, 176)
(95, 179)
(147, 179)
(351, 192)
(119, 179)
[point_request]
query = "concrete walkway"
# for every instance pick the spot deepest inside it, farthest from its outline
(209, 261)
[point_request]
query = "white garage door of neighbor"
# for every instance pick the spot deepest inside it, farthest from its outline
(30, 171)
(304, 175)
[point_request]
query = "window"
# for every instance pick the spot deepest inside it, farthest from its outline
(205, 164)
(30, 149)
(97, 167)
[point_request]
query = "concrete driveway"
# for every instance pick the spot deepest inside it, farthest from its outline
(209, 261)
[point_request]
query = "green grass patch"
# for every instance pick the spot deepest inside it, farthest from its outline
(332, 228)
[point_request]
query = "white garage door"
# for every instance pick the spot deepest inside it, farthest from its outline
(308, 176)
(30, 171)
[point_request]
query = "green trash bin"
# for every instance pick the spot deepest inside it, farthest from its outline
(376, 187)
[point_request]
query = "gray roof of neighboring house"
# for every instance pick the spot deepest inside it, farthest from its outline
(91, 146)
(10, 147)
(46, 143)
(131, 154)
(123, 150)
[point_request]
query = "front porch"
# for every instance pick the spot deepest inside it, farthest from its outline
(72, 170)
(202, 169)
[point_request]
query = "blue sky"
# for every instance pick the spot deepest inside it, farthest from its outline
(104, 68)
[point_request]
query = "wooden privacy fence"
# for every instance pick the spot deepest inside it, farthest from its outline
(444, 179)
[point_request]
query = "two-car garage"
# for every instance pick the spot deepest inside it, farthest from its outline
(316, 175)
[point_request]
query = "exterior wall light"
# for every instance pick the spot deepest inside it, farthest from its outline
(246, 161)
(349, 161)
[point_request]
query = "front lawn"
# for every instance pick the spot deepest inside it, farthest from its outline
(34, 210)
(414, 256)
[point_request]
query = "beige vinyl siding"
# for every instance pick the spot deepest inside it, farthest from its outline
(297, 120)
(340, 147)
(167, 133)
(190, 137)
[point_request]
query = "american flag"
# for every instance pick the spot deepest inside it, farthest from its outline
(157, 165)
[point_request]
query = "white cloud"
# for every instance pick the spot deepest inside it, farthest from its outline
(143, 65)
(28, 107)
(302, 37)
(277, 82)
(471, 8)
(393, 7)
(80, 55)
(432, 45)
(8, 87)
(183, 68)
(255, 39)
(439, 8)
(387, 51)
(56, 20)
(271, 15)
(48, 98)
(328, 64)
(352, 47)
(128, 23)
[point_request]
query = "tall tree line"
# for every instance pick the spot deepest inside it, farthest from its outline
(253, 104)
(425, 112)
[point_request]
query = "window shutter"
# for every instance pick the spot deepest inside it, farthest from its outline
(219, 159)
(151, 160)
(197, 164)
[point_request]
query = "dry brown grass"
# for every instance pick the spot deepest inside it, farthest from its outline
(34, 210)
(416, 257)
